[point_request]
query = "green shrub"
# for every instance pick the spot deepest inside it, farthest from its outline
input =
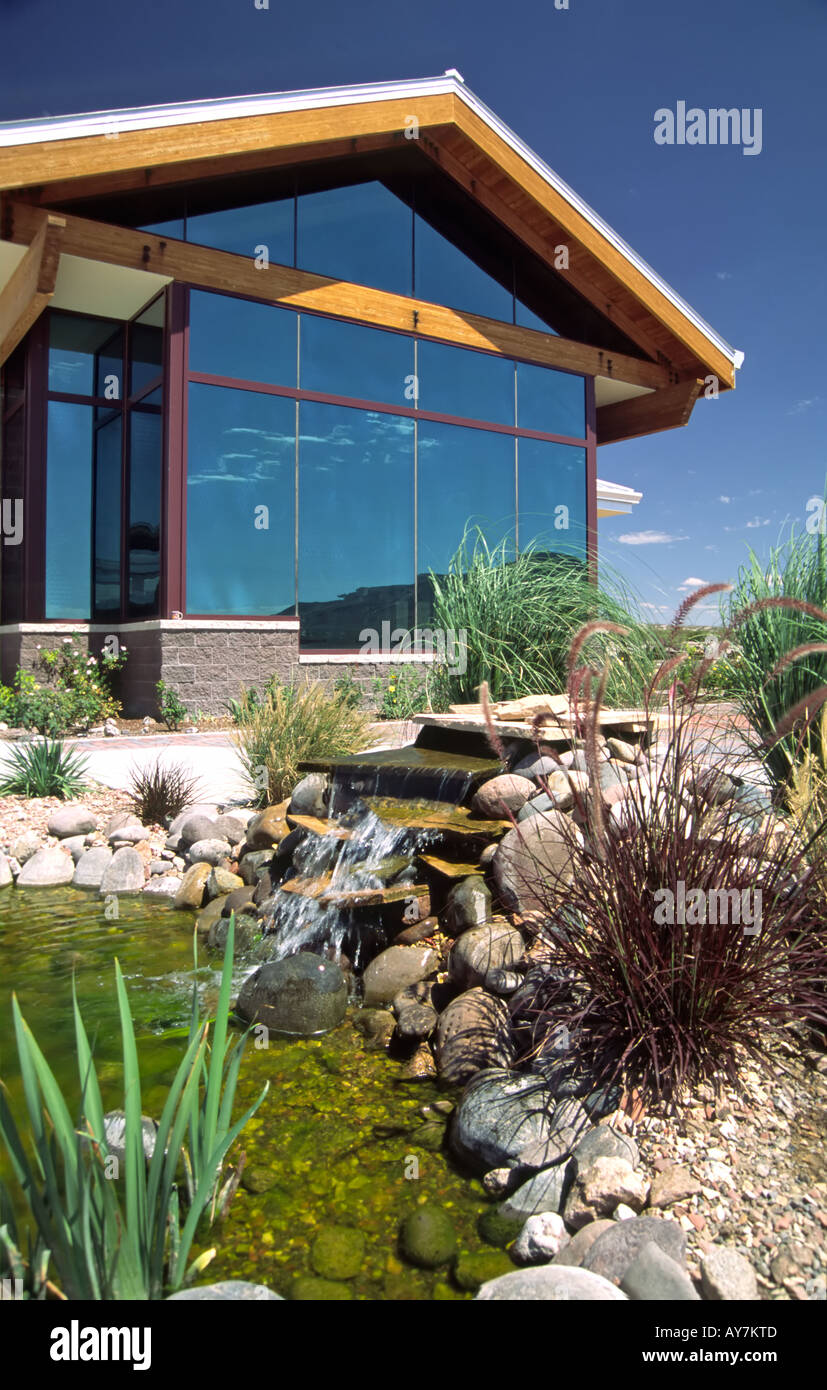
(43, 769)
(76, 692)
(400, 693)
(295, 724)
(171, 708)
(113, 1235)
(349, 689)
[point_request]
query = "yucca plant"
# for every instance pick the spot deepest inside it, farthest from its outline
(160, 791)
(294, 724)
(43, 769)
(129, 1239)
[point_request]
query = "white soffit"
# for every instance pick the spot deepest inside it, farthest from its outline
(608, 391)
(113, 291)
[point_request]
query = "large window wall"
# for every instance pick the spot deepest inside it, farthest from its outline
(331, 466)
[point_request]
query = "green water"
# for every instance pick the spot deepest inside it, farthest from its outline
(339, 1136)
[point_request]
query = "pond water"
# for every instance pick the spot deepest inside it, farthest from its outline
(337, 1140)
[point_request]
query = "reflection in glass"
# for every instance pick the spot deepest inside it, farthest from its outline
(239, 338)
(356, 535)
(240, 502)
(345, 359)
(146, 348)
(242, 230)
(549, 401)
(361, 232)
(81, 352)
(174, 229)
(473, 385)
(552, 492)
(526, 318)
(107, 544)
(144, 522)
(445, 275)
(68, 509)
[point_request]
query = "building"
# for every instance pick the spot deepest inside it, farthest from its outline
(265, 358)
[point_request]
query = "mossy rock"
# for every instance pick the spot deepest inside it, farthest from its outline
(474, 1269)
(306, 1289)
(338, 1252)
(427, 1238)
(428, 1136)
(258, 1179)
(498, 1230)
(446, 1293)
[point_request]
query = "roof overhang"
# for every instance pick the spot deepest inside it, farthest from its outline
(613, 499)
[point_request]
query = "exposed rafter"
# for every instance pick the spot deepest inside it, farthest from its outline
(32, 283)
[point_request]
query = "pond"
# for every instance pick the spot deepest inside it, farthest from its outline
(339, 1139)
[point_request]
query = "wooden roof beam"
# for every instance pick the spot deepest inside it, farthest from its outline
(31, 284)
(660, 410)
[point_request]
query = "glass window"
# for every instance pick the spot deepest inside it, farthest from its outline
(553, 402)
(526, 318)
(473, 385)
(146, 347)
(174, 229)
(356, 539)
(345, 359)
(360, 233)
(144, 524)
(107, 547)
(82, 352)
(239, 338)
(466, 478)
(445, 275)
(246, 229)
(68, 509)
(552, 496)
(240, 502)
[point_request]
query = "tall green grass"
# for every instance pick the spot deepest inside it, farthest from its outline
(293, 724)
(520, 614)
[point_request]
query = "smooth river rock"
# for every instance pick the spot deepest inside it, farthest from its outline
(550, 1283)
(472, 1035)
(394, 969)
(91, 867)
(303, 995)
(534, 862)
(124, 873)
(499, 1113)
(495, 946)
(48, 868)
(71, 820)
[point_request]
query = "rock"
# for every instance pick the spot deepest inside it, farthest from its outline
(416, 1021)
(238, 900)
(653, 1277)
(496, 1229)
(199, 809)
(473, 1269)
(499, 1113)
(427, 1237)
(727, 1277)
(673, 1184)
(499, 795)
(568, 1121)
(115, 822)
(624, 752)
(195, 828)
(558, 794)
(534, 862)
(6, 875)
(614, 1250)
(420, 931)
(581, 1242)
(307, 1289)
(124, 873)
(76, 845)
(48, 868)
(536, 766)
(420, 1067)
(545, 1192)
(502, 982)
(550, 1283)
(498, 1181)
(605, 1142)
(495, 946)
(338, 1252)
(208, 916)
(114, 1132)
(110, 729)
(130, 834)
(467, 905)
(221, 882)
(395, 968)
(247, 931)
(472, 1034)
(71, 820)
(25, 846)
(266, 829)
(163, 886)
(376, 1024)
(230, 828)
(310, 796)
(257, 1178)
(541, 1238)
(303, 995)
(253, 864)
(91, 867)
(193, 887)
(208, 851)
(227, 1289)
(599, 1188)
(623, 1213)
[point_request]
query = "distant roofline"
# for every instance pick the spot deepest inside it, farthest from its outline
(38, 130)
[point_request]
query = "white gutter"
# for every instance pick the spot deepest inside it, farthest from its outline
(112, 123)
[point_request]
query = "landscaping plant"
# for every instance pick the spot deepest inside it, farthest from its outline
(160, 792)
(400, 694)
(295, 724)
(43, 769)
(75, 695)
(112, 1234)
(171, 708)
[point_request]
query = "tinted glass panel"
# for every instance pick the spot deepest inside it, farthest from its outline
(554, 402)
(526, 318)
(173, 229)
(552, 492)
(356, 553)
(107, 575)
(144, 534)
(81, 352)
(235, 337)
(243, 230)
(344, 359)
(445, 275)
(68, 509)
(146, 347)
(360, 233)
(240, 502)
(466, 478)
(469, 384)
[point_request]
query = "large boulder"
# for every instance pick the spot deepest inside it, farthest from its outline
(616, 1249)
(208, 812)
(302, 996)
(48, 868)
(193, 886)
(427, 1237)
(195, 828)
(231, 828)
(534, 862)
(545, 1191)
(124, 873)
(500, 1112)
(225, 1290)
(394, 969)
(467, 905)
(310, 796)
(266, 829)
(499, 795)
(472, 1035)
(653, 1277)
(211, 851)
(91, 867)
(6, 875)
(495, 946)
(550, 1283)
(71, 820)
(605, 1142)
(131, 833)
(163, 886)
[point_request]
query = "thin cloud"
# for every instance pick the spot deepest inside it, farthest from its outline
(722, 275)
(694, 583)
(806, 403)
(724, 499)
(649, 538)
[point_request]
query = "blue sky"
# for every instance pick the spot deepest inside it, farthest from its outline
(741, 237)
